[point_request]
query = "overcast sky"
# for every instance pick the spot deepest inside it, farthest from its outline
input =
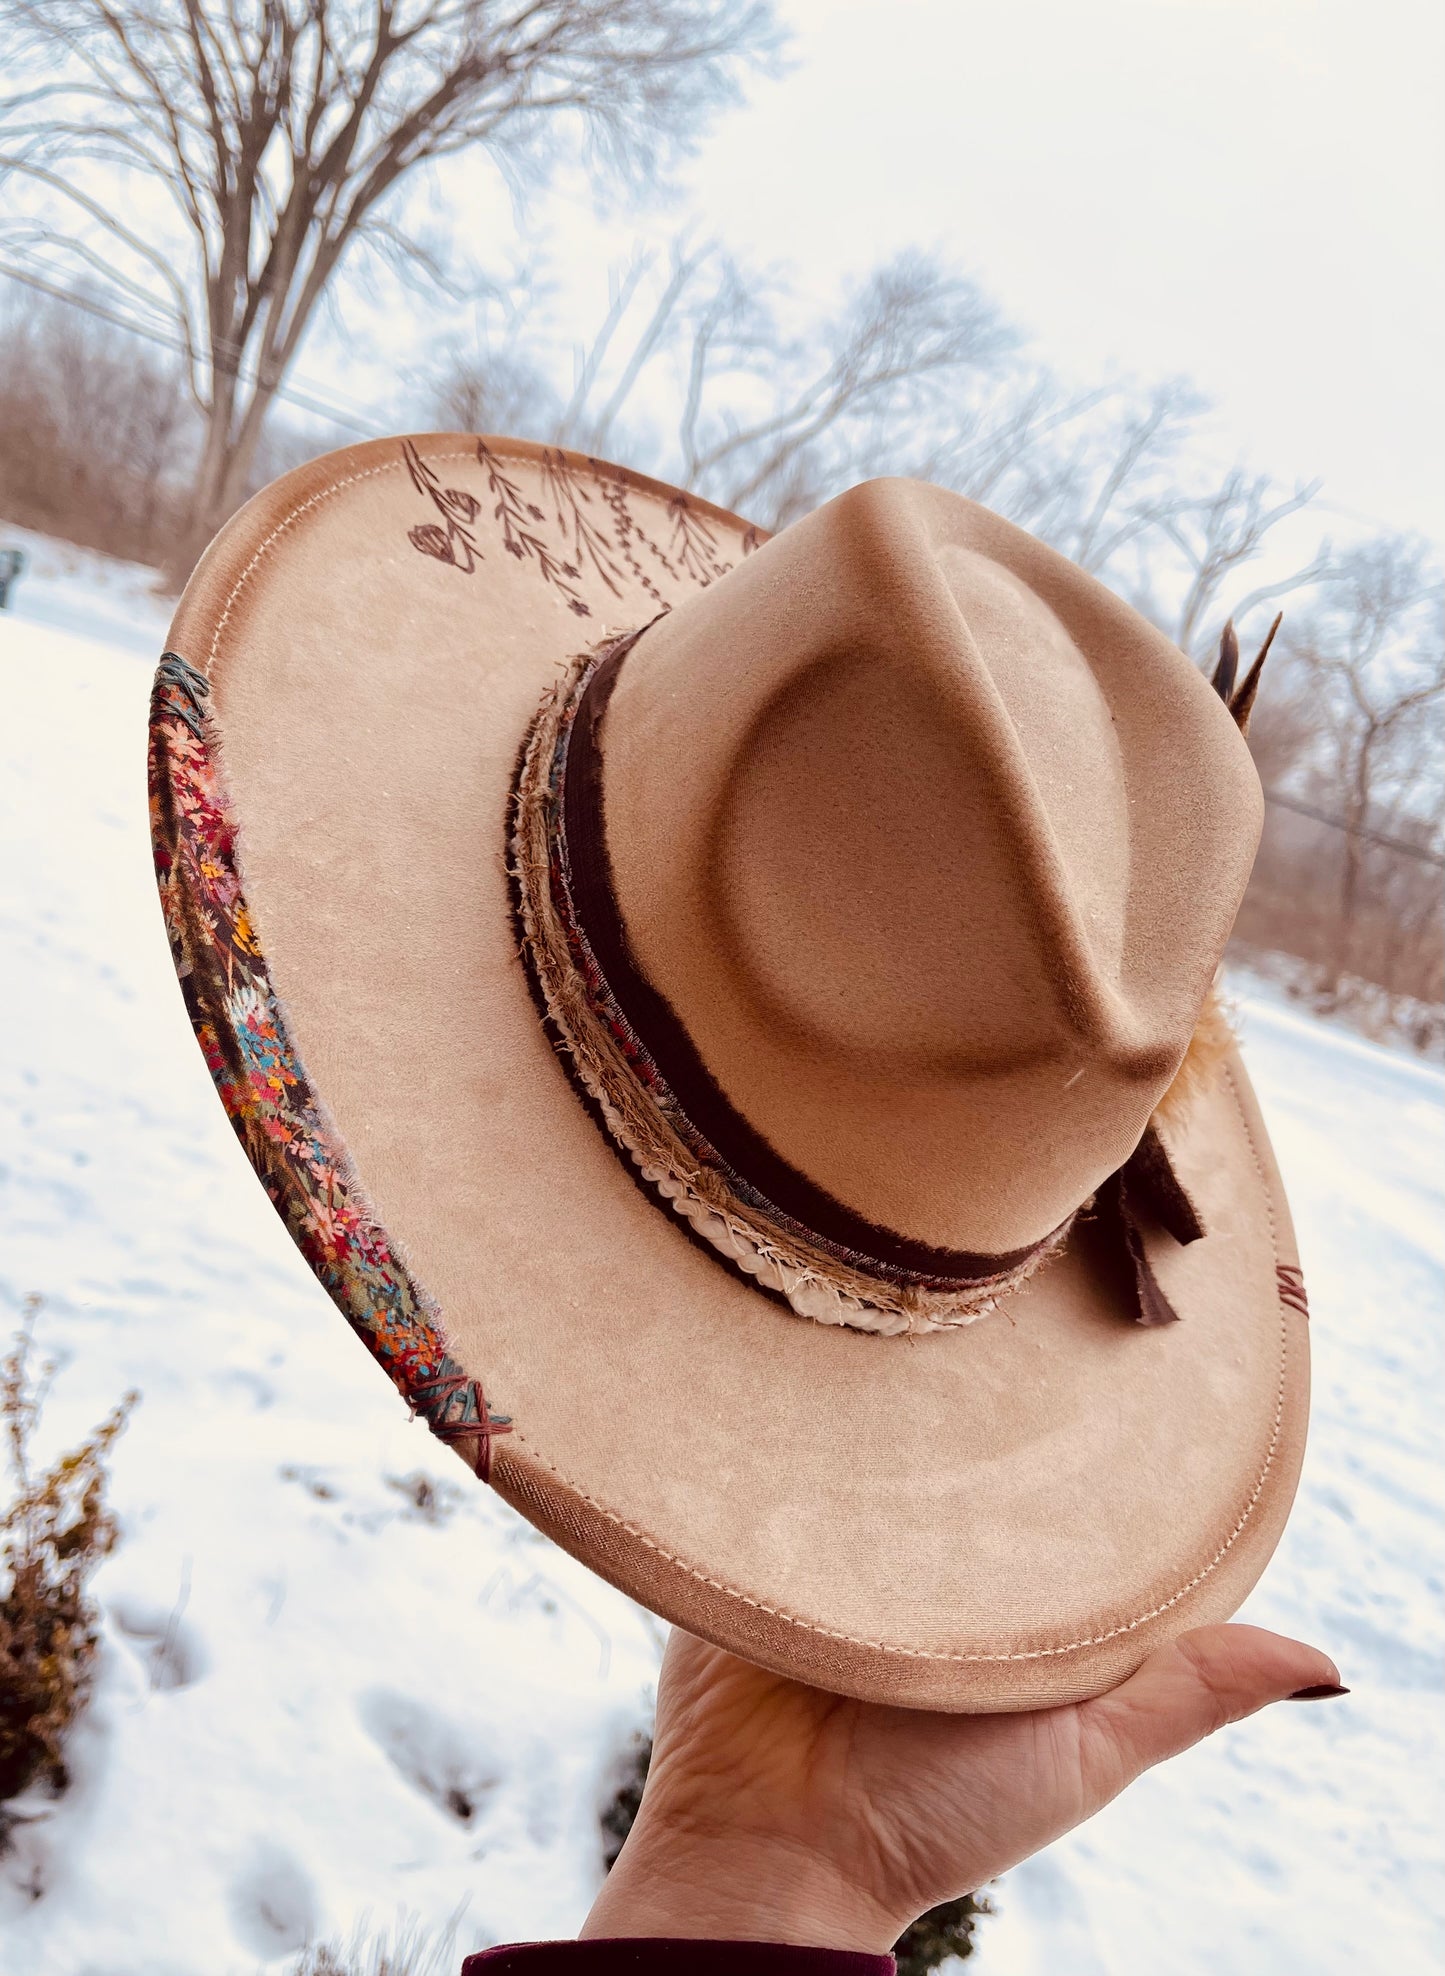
(1249, 192)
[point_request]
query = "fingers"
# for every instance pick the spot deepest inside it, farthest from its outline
(1187, 1690)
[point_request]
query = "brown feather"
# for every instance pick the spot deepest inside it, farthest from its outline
(1228, 664)
(1211, 1043)
(1242, 704)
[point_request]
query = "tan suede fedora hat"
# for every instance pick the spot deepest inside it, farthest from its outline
(731, 1024)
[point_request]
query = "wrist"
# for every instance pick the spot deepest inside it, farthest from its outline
(695, 1882)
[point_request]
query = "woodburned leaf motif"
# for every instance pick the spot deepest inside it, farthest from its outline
(432, 541)
(520, 538)
(601, 533)
(456, 501)
(614, 492)
(454, 543)
(638, 532)
(693, 542)
(590, 544)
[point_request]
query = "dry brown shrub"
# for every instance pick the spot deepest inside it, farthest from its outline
(96, 433)
(52, 1536)
(408, 1949)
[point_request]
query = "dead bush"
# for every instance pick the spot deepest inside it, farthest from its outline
(945, 1933)
(408, 1949)
(96, 434)
(52, 1536)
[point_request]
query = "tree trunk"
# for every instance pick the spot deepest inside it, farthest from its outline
(200, 519)
(223, 474)
(1352, 864)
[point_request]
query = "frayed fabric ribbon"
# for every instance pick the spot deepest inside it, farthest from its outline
(1146, 1189)
(663, 1108)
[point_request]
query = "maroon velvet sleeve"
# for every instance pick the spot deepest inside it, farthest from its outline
(671, 1958)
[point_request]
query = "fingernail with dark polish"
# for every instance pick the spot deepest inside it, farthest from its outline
(1321, 1691)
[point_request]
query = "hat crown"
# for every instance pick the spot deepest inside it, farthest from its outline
(919, 858)
(933, 844)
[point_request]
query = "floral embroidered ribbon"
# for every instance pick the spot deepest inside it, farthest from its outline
(277, 1115)
(662, 1106)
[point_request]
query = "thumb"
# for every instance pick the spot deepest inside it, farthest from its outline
(1185, 1691)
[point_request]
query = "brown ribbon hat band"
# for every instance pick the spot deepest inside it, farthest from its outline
(667, 1112)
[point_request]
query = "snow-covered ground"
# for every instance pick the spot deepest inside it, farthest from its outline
(319, 1700)
(76, 590)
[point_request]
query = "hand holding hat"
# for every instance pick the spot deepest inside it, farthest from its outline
(773, 1812)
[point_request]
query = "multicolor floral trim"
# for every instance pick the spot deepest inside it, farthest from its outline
(263, 1086)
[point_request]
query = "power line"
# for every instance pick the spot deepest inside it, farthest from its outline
(1354, 829)
(310, 399)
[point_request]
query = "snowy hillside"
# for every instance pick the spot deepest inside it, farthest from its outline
(327, 1691)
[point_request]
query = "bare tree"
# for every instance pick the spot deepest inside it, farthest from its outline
(501, 391)
(1219, 533)
(1109, 477)
(1284, 732)
(814, 411)
(281, 132)
(711, 374)
(1088, 471)
(1371, 650)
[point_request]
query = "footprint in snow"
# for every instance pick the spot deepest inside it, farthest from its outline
(168, 1647)
(450, 1764)
(273, 1903)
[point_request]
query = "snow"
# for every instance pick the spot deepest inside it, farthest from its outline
(322, 1699)
(81, 590)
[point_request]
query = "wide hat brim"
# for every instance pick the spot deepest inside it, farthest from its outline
(1001, 1516)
